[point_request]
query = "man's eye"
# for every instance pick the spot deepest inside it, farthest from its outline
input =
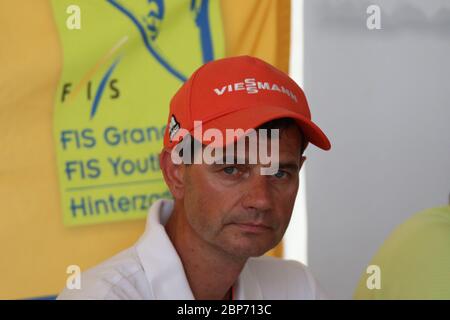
(280, 174)
(230, 170)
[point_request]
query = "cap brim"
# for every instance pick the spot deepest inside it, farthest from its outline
(250, 119)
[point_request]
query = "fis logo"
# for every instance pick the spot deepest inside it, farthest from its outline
(69, 93)
(252, 86)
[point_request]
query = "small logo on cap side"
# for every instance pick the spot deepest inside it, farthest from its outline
(252, 86)
(174, 126)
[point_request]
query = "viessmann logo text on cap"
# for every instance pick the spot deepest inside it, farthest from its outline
(252, 86)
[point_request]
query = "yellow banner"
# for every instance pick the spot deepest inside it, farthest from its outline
(123, 61)
(36, 246)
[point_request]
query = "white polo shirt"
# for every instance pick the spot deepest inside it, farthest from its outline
(152, 269)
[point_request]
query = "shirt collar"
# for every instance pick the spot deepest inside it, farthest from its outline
(247, 286)
(162, 265)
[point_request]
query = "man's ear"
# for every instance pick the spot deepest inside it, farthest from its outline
(302, 160)
(173, 174)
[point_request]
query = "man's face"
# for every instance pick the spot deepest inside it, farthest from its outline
(236, 209)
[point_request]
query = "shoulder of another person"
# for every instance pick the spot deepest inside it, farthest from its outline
(115, 278)
(284, 279)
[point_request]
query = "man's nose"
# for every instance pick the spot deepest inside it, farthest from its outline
(258, 193)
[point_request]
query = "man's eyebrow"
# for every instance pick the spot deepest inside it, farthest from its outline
(289, 165)
(292, 165)
(234, 159)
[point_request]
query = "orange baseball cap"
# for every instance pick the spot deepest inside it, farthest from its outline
(239, 92)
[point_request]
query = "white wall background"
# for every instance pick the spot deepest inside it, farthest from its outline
(383, 98)
(295, 242)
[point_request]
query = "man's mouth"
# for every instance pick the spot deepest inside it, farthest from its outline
(252, 227)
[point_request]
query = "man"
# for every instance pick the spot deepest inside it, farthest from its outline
(207, 242)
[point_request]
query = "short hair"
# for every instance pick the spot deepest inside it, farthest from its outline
(281, 124)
